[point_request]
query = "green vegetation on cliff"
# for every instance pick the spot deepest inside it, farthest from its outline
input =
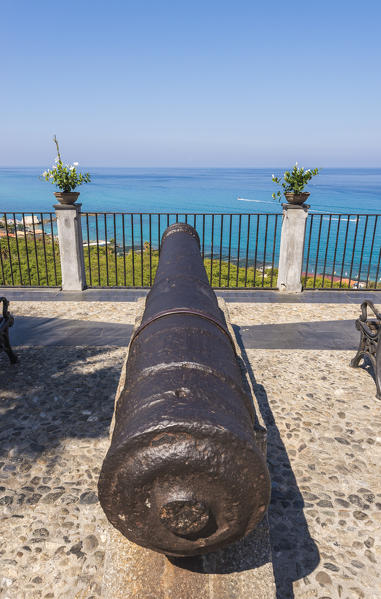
(29, 262)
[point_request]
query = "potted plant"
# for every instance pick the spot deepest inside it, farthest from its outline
(293, 184)
(66, 178)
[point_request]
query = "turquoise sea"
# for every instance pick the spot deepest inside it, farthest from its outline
(341, 246)
(355, 190)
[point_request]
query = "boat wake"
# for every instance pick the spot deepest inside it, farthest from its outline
(257, 201)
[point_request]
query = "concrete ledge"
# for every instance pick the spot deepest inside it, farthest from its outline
(261, 296)
(242, 570)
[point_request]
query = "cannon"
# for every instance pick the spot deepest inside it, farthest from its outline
(184, 474)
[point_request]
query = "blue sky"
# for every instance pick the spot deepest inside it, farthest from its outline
(175, 83)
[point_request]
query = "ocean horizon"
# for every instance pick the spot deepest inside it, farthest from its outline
(179, 190)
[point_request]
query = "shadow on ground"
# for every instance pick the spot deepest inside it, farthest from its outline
(295, 554)
(317, 334)
(55, 393)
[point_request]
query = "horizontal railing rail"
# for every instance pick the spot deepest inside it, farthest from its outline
(239, 250)
(29, 250)
(342, 251)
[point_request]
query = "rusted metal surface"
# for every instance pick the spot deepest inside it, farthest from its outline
(183, 474)
(370, 342)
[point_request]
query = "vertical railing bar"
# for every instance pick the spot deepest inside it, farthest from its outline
(98, 258)
(264, 252)
(141, 247)
(221, 237)
(273, 257)
(317, 251)
(211, 253)
(106, 242)
(247, 246)
(167, 219)
(17, 246)
(35, 250)
(353, 251)
(256, 250)
(194, 221)
(362, 250)
(371, 250)
(230, 245)
(186, 218)
(133, 250)
(115, 256)
(44, 246)
(150, 250)
(158, 232)
(9, 249)
(308, 250)
(203, 237)
(124, 251)
(336, 244)
(326, 249)
(378, 268)
(26, 248)
(239, 243)
(53, 250)
(344, 251)
(2, 264)
(304, 245)
(177, 218)
(88, 248)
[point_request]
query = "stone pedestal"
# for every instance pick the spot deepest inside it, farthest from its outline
(71, 246)
(291, 248)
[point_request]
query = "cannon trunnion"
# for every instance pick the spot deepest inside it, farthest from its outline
(183, 474)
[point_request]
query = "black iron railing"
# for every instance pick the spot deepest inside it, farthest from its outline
(342, 251)
(239, 250)
(29, 252)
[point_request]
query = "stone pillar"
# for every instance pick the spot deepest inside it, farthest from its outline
(71, 246)
(291, 247)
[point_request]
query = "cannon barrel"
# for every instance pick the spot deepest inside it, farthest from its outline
(183, 474)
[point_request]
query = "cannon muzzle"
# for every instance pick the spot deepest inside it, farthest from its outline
(183, 474)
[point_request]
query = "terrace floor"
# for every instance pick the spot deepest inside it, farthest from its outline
(323, 420)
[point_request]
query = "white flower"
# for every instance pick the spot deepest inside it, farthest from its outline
(272, 176)
(44, 173)
(57, 159)
(71, 168)
(51, 177)
(296, 164)
(75, 163)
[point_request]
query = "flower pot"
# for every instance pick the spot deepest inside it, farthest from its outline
(297, 198)
(66, 197)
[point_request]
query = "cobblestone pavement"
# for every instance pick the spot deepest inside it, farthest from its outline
(324, 454)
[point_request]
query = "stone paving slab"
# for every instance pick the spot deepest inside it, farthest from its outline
(30, 331)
